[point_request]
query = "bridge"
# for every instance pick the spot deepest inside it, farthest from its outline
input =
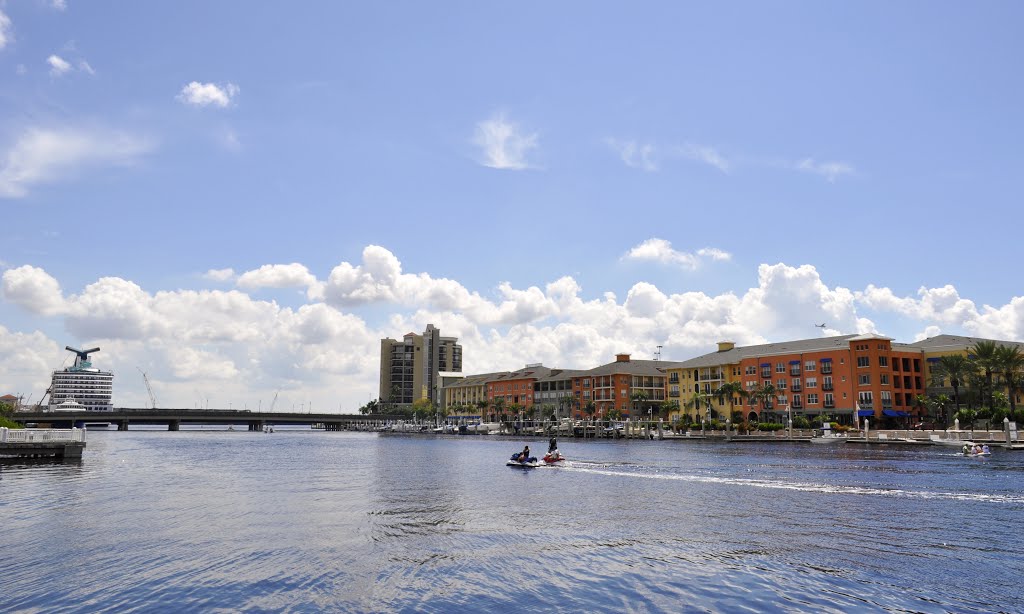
(174, 418)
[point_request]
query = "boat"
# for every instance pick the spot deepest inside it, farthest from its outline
(953, 437)
(81, 387)
(828, 436)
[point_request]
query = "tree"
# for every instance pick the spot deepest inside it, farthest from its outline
(765, 394)
(955, 367)
(639, 399)
(730, 390)
(422, 408)
(371, 407)
(698, 400)
(499, 407)
(986, 358)
(590, 409)
(1010, 362)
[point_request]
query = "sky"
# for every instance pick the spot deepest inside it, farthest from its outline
(241, 199)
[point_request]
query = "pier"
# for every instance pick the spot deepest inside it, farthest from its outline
(42, 443)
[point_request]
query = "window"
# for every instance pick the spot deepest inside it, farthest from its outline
(883, 361)
(766, 371)
(865, 399)
(622, 393)
(781, 384)
(810, 365)
(864, 380)
(829, 400)
(863, 361)
(886, 397)
(826, 382)
(586, 383)
(884, 379)
(811, 382)
(796, 400)
(780, 367)
(812, 399)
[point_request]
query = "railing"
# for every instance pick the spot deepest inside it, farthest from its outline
(827, 387)
(41, 435)
(826, 370)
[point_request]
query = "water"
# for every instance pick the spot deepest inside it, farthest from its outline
(309, 521)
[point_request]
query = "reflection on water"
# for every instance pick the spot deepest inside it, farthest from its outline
(310, 521)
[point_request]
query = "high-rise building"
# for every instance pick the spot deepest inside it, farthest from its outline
(412, 369)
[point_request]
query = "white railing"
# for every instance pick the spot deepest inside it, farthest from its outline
(41, 435)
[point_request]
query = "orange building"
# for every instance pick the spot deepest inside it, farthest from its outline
(515, 389)
(612, 386)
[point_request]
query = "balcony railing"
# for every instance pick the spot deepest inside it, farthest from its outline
(826, 370)
(673, 393)
(796, 387)
(830, 404)
(827, 387)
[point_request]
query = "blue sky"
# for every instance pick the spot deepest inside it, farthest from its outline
(245, 198)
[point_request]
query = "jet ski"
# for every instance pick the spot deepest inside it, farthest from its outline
(553, 458)
(529, 463)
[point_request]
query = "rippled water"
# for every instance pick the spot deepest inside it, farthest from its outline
(313, 521)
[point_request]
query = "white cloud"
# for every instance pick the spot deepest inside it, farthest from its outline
(503, 145)
(58, 66)
(705, 154)
(33, 289)
(635, 155)
(292, 275)
(219, 275)
(660, 250)
(60, 5)
(85, 67)
(234, 348)
(208, 94)
(829, 170)
(42, 156)
(6, 31)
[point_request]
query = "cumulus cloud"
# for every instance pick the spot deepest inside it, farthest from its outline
(58, 66)
(45, 155)
(503, 144)
(660, 250)
(208, 94)
(60, 5)
(292, 275)
(33, 289)
(229, 347)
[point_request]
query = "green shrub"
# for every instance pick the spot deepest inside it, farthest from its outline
(11, 424)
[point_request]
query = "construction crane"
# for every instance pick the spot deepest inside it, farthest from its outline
(149, 389)
(274, 402)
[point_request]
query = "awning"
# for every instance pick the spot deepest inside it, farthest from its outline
(766, 364)
(825, 360)
(865, 413)
(894, 413)
(794, 362)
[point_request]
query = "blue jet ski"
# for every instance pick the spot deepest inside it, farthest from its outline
(528, 463)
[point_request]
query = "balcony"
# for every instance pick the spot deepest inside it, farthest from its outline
(826, 369)
(797, 405)
(826, 387)
(830, 404)
(794, 372)
(673, 393)
(796, 388)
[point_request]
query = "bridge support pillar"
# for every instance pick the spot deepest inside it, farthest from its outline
(173, 425)
(122, 425)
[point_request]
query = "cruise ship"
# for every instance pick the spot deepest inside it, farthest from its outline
(81, 386)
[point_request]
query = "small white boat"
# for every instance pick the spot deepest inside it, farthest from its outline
(828, 438)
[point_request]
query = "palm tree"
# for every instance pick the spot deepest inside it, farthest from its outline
(1010, 361)
(698, 400)
(986, 357)
(499, 407)
(638, 398)
(765, 394)
(730, 390)
(956, 367)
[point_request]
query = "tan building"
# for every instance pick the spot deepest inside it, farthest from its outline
(411, 369)
(463, 399)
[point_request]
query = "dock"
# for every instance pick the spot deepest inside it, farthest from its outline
(42, 443)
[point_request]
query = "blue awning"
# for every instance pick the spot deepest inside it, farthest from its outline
(932, 359)
(862, 413)
(894, 413)
(825, 360)
(766, 364)
(794, 362)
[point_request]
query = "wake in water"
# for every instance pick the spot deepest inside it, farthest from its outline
(595, 468)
